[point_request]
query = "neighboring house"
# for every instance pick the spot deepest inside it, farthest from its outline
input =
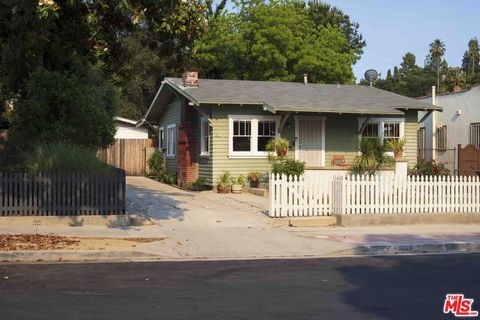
(440, 133)
(210, 126)
(126, 129)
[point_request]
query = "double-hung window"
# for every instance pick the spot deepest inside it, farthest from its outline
(475, 134)
(370, 131)
(204, 137)
(266, 132)
(441, 138)
(391, 130)
(161, 138)
(249, 135)
(171, 140)
(383, 128)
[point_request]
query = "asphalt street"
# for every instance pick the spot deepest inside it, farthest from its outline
(400, 287)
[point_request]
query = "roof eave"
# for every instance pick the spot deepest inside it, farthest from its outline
(175, 87)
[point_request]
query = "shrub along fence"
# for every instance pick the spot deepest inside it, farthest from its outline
(62, 194)
(363, 194)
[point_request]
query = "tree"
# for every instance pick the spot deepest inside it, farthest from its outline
(273, 41)
(455, 77)
(408, 62)
(58, 35)
(473, 54)
(61, 107)
(213, 13)
(323, 14)
(437, 50)
(409, 80)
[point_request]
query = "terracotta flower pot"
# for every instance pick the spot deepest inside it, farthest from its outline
(398, 154)
(221, 190)
(282, 152)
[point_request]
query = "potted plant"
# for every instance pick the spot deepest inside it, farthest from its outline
(254, 176)
(224, 182)
(396, 145)
(238, 184)
(279, 146)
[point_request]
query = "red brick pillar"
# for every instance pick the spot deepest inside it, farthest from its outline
(187, 147)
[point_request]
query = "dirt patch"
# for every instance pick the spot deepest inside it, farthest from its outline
(32, 242)
(10, 242)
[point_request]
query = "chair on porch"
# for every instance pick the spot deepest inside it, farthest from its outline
(339, 160)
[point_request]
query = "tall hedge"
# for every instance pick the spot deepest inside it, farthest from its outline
(62, 107)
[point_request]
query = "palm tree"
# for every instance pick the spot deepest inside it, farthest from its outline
(456, 78)
(437, 50)
(473, 53)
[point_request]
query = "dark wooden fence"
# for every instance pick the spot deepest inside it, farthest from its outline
(62, 194)
(468, 160)
(127, 154)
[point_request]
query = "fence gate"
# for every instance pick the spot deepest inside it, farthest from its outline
(127, 154)
(468, 160)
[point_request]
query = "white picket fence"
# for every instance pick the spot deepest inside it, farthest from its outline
(361, 194)
(306, 195)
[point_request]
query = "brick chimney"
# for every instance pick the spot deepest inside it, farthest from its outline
(187, 165)
(190, 79)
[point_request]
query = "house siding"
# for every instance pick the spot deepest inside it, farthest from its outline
(237, 166)
(410, 133)
(171, 115)
(341, 137)
(205, 163)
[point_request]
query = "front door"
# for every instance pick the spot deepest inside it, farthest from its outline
(310, 140)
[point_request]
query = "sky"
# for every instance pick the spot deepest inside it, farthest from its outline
(394, 27)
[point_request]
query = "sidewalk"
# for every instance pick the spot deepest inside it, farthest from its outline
(196, 226)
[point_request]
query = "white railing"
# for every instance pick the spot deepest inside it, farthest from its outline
(316, 195)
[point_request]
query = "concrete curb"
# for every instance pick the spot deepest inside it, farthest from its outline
(74, 256)
(422, 248)
(63, 256)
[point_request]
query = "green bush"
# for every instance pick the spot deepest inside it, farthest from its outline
(157, 169)
(168, 178)
(199, 185)
(66, 108)
(61, 158)
(224, 181)
(372, 156)
(429, 168)
(156, 166)
(289, 167)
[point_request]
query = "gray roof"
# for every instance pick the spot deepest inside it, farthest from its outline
(278, 96)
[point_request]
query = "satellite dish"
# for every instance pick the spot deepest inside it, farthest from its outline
(371, 75)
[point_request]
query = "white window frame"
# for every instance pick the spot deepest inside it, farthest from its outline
(204, 145)
(171, 151)
(381, 127)
(475, 134)
(254, 119)
(161, 138)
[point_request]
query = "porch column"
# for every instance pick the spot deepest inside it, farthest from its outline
(401, 168)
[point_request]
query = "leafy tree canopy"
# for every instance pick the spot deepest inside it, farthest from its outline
(114, 35)
(274, 41)
(61, 107)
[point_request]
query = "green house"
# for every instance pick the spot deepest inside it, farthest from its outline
(209, 126)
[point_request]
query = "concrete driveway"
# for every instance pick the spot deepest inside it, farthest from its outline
(169, 205)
